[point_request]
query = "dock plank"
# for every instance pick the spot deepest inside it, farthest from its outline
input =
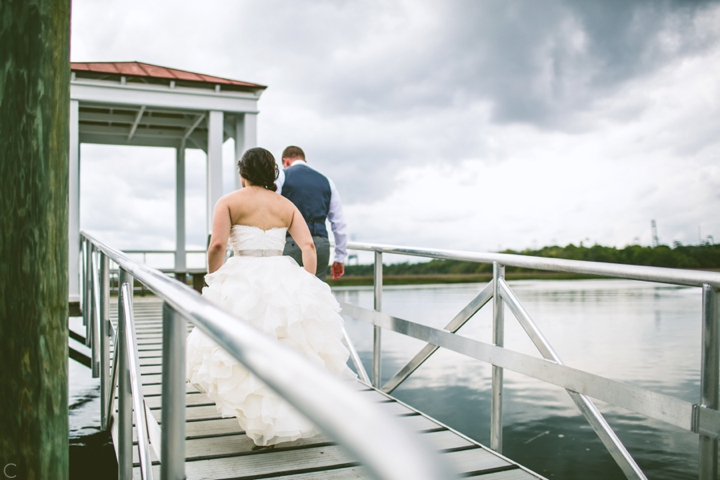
(239, 444)
(217, 448)
(515, 474)
(358, 473)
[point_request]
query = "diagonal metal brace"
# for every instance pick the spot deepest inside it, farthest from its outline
(587, 407)
(460, 319)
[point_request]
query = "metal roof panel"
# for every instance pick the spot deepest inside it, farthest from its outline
(140, 69)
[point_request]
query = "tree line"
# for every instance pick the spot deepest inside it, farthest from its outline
(678, 256)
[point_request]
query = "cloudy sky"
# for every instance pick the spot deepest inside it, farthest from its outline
(476, 125)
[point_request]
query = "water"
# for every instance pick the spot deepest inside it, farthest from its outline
(642, 334)
(92, 455)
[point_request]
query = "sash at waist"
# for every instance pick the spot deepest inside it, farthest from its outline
(258, 253)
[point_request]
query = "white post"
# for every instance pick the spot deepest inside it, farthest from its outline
(245, 138)
(214, 164)
(250, 125)
(180, 264)
(74, 205)
(239, 146)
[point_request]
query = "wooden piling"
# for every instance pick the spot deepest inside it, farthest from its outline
(34, 110)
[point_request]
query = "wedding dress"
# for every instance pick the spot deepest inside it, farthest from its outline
(275, 295)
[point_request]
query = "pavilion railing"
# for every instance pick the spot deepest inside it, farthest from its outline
(166, 253)
(702, 418)
(372, 437)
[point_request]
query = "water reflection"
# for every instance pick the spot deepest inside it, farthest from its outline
(92, 455)
(638, 333)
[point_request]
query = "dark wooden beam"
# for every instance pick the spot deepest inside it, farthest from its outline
(34, 147)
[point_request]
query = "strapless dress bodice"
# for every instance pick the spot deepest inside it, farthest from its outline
(247, 240)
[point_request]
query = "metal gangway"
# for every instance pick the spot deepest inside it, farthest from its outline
(702, 418)
(163, 428)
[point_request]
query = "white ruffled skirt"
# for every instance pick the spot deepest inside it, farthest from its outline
(280, 298)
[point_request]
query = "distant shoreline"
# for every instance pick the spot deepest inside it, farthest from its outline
(690, 257)
(450, 278)
(365, 280)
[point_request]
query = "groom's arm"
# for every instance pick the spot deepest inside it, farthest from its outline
(280, 181)
(339, 229)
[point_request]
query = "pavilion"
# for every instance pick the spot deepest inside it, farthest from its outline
(138, 104)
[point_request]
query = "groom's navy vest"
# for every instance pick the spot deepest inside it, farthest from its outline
(310, 191)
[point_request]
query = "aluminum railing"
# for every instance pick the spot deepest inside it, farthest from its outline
(167, 252)
(702, 418)
(369, 435)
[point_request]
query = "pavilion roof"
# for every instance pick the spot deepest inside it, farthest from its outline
(149, 71)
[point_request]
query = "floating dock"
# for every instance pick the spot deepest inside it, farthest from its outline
(217, 448)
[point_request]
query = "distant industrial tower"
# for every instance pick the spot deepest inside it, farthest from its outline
(655, 241)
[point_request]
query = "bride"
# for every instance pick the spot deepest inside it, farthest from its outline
(270, 291)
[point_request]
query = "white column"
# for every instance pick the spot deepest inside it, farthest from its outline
(245, 138)
(250, 130)
(214, 164)
(74, 204)
(180, 264)
(239, 145)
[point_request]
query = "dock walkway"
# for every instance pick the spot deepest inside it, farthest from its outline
(216, 447)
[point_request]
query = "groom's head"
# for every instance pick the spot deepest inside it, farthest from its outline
(290, 154)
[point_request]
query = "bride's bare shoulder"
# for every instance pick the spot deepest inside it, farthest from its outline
(237, 196)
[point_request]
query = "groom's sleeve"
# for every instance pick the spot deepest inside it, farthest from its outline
(337, 222)
(280, 181)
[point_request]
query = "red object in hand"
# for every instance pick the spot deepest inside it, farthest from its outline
(337, 270)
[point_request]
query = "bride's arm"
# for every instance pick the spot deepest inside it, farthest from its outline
(299, 231)
(219, 237)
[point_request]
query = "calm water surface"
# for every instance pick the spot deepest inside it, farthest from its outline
(91, 451)
(643, 334)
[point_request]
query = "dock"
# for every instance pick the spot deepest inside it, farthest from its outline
(217, 448)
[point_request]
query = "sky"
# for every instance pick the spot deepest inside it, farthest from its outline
(465, 125)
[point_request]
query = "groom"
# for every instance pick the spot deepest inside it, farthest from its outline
(317, 199)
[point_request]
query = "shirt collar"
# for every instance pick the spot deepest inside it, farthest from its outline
(295, 162)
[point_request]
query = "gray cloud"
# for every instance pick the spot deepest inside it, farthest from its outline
(389, 70)
(370, 88)
(535, 62)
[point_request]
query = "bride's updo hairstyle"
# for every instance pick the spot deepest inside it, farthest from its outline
(258, 166)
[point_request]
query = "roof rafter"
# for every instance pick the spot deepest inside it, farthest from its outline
(193, 126)
(137, 121)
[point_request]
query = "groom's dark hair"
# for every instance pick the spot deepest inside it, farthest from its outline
(293, 152)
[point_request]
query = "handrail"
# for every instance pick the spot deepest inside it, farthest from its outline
(703, 419)
(385, 449)
(162, 251)
(673, 276)
(136, 388)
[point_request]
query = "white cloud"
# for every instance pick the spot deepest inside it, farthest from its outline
(456, 125)
(602, 185)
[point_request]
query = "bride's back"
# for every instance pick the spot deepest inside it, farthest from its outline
(259, 207)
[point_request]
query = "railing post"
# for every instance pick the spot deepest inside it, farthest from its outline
(87, 304)
(83, 278)
(377, 331)
(104, 338)
(710, 377)
(95, 319)
(125, 419)
(496, 420)
(172, 459)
